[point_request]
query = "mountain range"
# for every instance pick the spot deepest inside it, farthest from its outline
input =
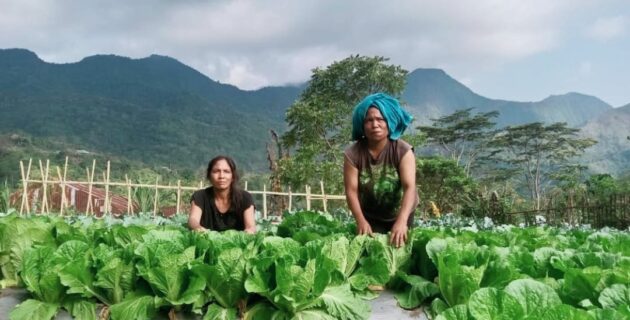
(162, 112)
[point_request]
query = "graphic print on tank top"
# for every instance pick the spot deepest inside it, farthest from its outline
(380, 189)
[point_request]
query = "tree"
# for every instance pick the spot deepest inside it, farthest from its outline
(320, 120)
(443, 182)
(539, 150)
(602, 186)
(462, 137)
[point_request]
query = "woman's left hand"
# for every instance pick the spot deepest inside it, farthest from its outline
(398, 235)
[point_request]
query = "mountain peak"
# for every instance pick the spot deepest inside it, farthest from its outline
(436, 87)
(18, 55)
(575, 98)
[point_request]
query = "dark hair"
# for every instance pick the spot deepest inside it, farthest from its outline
(235, 194)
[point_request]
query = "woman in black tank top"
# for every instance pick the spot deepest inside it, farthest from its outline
(223, 205)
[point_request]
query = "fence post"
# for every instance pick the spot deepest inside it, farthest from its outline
(179, 195)
(290, 199)
(90, 205)
(65, 175)
(129, 205)
(45, 208)
(264, 201)
(155, 198)
(308, 197)
(25, 177)
(62, 185)
(321, 183)
(107, 208)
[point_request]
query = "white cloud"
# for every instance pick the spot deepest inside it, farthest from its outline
(585, 68)
(252, 43)
(604, 29)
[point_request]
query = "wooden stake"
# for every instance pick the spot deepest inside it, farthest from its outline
(89, 208)
(107, 201)
(62, 186)
(179, 196)
(44, 174)
(265, 201)
(290, 199)
(324, 200)
(155, 199)
(65, 176)
(308, 197)
(129, 205)
(25, 177)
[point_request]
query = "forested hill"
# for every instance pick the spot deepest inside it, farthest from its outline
(156, 110)
(162, 112)
(432, 93)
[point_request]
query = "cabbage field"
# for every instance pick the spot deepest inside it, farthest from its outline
(310, 266)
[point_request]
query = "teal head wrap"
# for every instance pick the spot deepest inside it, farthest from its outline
(396, 117)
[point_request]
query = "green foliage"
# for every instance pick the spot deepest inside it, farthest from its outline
(305, 226)
(144, 197)
(5, 197)
(444, 183)
(319, 121)
(538, 150)
(145, 269)
(462, 137)
(602, 186)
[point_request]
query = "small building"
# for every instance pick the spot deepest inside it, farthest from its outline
(77, 196)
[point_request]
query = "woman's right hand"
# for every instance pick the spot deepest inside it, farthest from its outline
(363, 227)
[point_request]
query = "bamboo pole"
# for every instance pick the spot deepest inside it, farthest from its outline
(129, 205)
(25, 177)
(107, 202)
(179, 196)
(44, 174)
(308, 197)
(65, 177)
(324, 200)
(62, 186)
(89, 209)
(290, 199)
(155, 199)
(264, 201)
(313, 196)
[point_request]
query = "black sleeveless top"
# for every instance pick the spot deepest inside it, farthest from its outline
(213, 219)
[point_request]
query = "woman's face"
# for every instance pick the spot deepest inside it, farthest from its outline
(374, 125)
(221, 175)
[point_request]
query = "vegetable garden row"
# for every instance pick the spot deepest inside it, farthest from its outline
(310, 267)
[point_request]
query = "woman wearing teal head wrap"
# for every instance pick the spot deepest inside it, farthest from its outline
(380, 169)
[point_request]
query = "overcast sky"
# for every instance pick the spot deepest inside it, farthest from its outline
(523, 50)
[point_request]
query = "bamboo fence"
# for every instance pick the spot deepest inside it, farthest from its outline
(61, 181)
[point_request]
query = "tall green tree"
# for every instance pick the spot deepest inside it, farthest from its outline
(441, 181)
(320, 120)
(462, 136)
(539, 150)
(602, 186)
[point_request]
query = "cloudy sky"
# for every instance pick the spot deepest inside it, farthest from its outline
(504, 49)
